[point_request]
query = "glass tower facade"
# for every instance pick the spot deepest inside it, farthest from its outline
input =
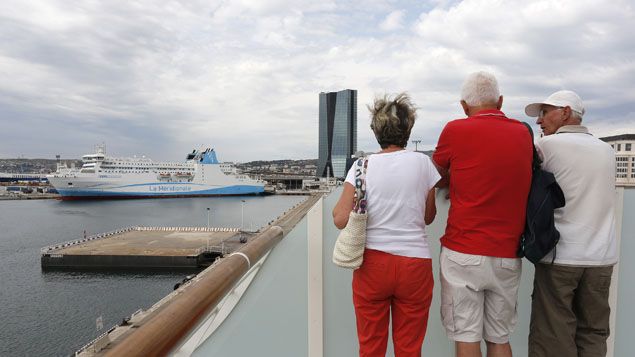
(338, 132)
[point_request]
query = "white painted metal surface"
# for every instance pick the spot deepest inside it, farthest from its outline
(619, 209)
(216, 317)
(315, 281)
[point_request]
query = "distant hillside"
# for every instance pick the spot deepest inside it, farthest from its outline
(279, 162)
(292, 167)
(45, 166)
(40, 166)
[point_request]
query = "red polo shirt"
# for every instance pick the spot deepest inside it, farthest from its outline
(489, 160)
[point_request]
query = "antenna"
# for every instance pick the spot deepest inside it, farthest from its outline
(416, 142)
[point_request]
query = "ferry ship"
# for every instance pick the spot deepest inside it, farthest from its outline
(102, 176)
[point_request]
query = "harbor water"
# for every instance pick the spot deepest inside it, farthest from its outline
(53, 313)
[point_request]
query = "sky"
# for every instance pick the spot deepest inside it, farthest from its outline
(160, 78)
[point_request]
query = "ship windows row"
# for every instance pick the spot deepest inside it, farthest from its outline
(156, 168)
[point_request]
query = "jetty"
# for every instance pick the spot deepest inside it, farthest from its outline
(145, 247)
(170, 248)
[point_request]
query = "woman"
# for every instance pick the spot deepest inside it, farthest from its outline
(396, 275)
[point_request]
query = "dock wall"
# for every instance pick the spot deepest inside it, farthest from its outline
(56, 256)
(54, 261)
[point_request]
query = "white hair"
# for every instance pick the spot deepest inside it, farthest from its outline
(480, 88)
(575, 115)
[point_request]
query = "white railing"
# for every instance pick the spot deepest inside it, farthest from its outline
(95, 341)
(189, 229)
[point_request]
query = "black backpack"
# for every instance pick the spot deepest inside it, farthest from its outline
(545, 195)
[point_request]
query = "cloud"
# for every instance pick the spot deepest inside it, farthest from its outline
(244, 76)
(393, 21)
(539, 47)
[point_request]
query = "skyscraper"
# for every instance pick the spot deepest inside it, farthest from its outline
(338, 132)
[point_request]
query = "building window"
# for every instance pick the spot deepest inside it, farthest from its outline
(619, 147)
(627, 147)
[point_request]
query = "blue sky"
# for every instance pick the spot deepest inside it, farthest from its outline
(159, 78)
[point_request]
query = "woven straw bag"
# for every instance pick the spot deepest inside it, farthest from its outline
(351, 242)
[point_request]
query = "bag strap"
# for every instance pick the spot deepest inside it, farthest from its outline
(361, 165)
(536, 161)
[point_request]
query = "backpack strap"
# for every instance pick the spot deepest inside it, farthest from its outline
(536, 162)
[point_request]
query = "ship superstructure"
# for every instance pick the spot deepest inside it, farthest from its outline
(102, 176)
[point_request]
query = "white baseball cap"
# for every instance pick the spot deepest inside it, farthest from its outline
(563, 98)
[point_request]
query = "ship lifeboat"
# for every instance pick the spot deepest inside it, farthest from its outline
(183, 176)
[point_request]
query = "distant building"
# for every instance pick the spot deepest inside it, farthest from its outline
(338, 132)
(624, 146)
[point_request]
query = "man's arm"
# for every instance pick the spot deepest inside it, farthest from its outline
(441, 157)
(445, 177)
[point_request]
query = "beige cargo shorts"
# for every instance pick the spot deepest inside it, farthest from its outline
(478, 296)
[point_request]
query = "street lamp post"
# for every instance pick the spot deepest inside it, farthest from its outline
(242, 214)
(208, 229)
(242, 221)
(416, 142)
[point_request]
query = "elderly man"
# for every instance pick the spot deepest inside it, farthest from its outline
(487, 159)
(570, 309)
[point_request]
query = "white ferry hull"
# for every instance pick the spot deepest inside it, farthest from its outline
(91, 189)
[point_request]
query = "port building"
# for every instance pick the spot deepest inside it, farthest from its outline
(624, 146)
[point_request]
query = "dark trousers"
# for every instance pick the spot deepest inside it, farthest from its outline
(570, 311)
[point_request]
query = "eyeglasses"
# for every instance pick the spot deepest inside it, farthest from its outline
(543, 111)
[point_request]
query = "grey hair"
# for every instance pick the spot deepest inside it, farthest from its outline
(392, 120)
(480, 88)
(575, 115)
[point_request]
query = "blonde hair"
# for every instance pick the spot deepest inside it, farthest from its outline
(392, 120)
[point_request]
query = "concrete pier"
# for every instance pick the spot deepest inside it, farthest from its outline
(145, 247)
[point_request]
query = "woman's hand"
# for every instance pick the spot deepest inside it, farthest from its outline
(344, 206)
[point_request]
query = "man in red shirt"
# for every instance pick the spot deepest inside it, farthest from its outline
(486, 159)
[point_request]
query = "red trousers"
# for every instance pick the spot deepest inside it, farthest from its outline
(385, 284)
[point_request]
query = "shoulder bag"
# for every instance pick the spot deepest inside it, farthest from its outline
(351, 242)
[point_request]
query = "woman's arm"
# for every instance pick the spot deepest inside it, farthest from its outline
(431, 207)
(344, 206)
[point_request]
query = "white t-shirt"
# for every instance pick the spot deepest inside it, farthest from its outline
(584, 167)
(397, 186)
